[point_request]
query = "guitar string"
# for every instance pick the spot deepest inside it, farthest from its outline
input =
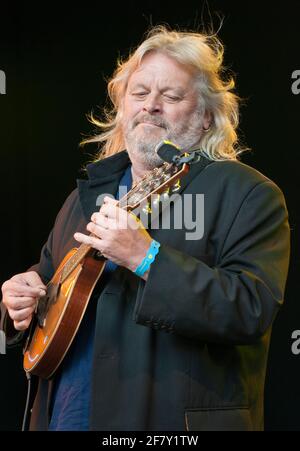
(83, 249)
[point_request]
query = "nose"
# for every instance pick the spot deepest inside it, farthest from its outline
(152, 104)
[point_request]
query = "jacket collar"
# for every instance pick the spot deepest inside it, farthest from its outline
(194, 170)
(104, 177)
(108, 168)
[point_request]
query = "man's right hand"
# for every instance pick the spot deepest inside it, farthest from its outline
(20, 295)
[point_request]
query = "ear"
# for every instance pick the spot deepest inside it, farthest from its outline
(207, 120)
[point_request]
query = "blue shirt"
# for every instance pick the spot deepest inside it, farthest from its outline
(72, 390)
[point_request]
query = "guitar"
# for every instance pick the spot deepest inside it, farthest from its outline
(60, 311)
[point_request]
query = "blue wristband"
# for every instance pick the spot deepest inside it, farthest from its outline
(150, 257)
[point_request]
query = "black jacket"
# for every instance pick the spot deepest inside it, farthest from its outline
(186, 350)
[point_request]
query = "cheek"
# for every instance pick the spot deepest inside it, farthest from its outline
(182, 113)
(174, 116)
(130, 109)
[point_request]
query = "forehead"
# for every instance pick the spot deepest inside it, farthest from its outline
(161, 68)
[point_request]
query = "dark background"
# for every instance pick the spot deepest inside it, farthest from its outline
(56, 62)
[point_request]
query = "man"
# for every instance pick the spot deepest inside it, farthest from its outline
(179, 343)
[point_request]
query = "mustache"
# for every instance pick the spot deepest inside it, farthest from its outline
(151, 120)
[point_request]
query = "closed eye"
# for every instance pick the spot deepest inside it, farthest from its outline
(172, 98)
(139, 94)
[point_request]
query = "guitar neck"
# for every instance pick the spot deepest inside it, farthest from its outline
(154, 182)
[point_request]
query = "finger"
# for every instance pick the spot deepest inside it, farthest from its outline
(106, 223)
(30, 278)
(20, 315)
(19, 289)
(110, 200)
(102, 221)
(98, 231)
(89, 240)
(119, 219)
(112, 211)
(20, 302)
(23, 325)
(34, 280)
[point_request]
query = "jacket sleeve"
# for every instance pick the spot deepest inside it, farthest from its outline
(235, 301)
(45, 268)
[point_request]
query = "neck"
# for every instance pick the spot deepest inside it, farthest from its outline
(138, 171)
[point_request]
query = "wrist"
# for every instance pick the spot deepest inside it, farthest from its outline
(143, 268)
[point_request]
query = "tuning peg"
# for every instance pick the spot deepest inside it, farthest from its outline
(165, 194)
(155, 200)
(176, 187)
(146, 209)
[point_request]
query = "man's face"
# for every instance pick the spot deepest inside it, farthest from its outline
(161, 102)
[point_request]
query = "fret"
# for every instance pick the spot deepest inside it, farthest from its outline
(72, 263)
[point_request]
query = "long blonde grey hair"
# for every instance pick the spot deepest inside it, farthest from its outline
(204, 53)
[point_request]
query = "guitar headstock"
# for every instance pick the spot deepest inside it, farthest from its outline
(160, 180)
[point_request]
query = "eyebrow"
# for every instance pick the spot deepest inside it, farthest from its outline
(179, 91)
(138, 86)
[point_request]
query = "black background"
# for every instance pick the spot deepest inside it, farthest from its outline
(56, 62)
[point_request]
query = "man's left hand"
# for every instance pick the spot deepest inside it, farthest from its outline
(119, 235)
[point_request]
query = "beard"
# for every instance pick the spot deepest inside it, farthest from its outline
(141, 140)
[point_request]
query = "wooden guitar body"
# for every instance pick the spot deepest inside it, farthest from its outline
(66, 305)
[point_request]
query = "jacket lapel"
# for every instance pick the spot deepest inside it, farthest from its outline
(104, 177)
(194, 170)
